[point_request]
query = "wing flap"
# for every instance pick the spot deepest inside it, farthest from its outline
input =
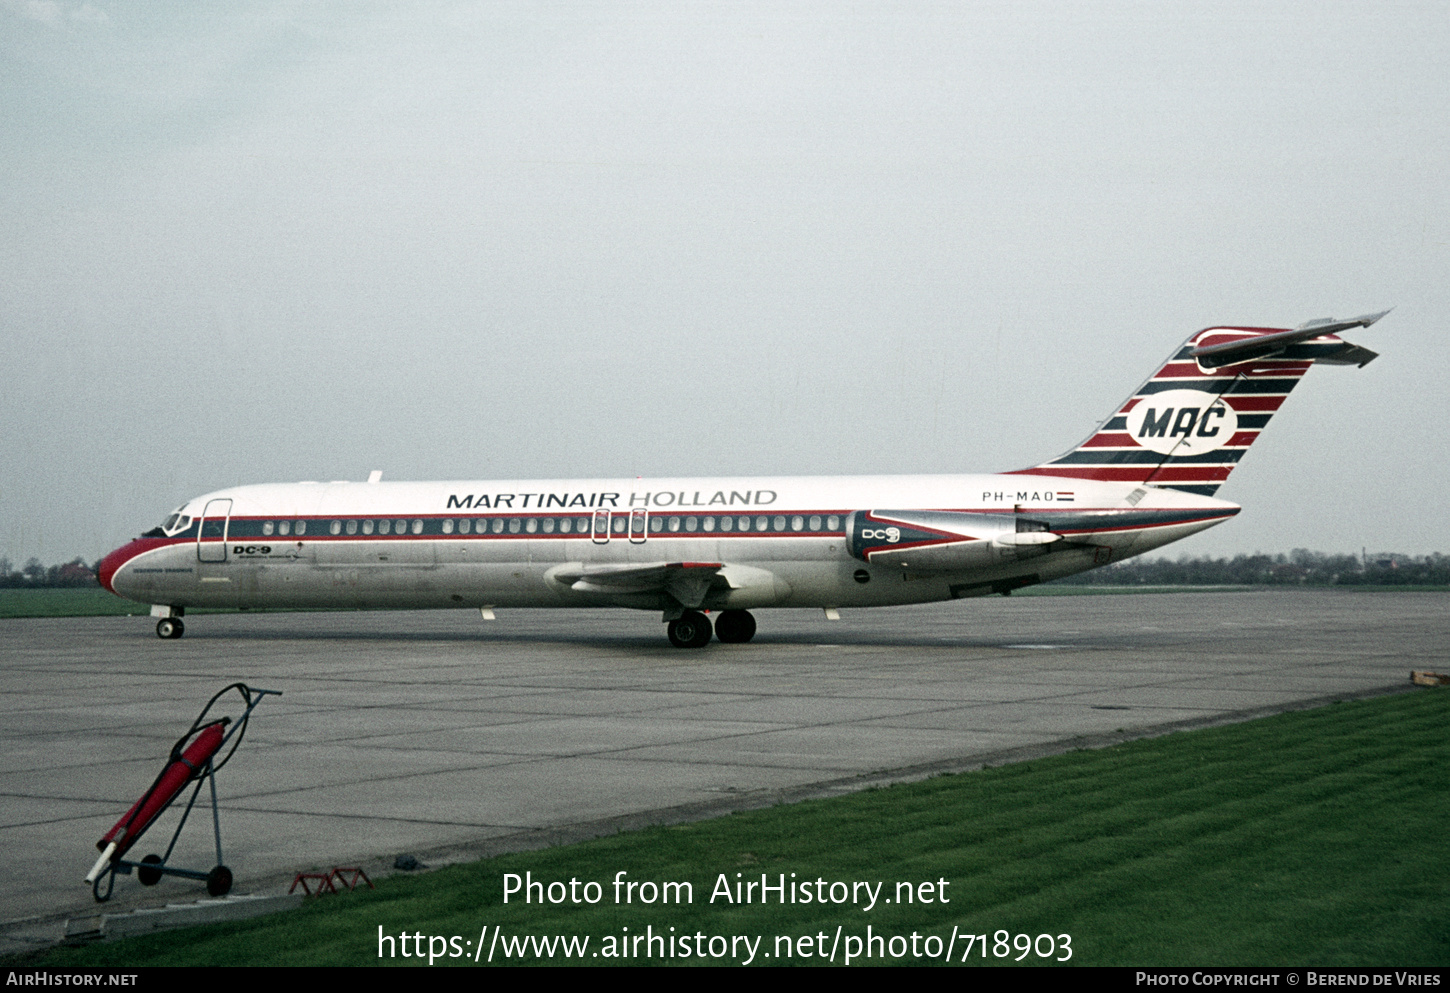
(687, 582)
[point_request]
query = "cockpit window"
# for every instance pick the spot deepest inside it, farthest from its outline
(177, 521)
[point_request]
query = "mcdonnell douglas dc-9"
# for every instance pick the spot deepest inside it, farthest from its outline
(688, 547)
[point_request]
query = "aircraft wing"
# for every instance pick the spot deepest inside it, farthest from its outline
(687, 582)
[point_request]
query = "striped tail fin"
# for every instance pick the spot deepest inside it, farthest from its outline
(1191, 422)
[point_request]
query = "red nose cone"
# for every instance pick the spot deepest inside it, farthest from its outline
(111, 563)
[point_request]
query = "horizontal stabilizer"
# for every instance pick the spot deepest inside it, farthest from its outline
(1246, 349)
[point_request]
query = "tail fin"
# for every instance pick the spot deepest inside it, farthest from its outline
(1188, 425)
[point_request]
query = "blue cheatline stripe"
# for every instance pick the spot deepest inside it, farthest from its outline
(1214, 387)
(1140, 456)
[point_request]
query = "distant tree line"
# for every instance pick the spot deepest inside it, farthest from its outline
(34, 575)
(1300, 567)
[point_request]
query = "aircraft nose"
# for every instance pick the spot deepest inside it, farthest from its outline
(113, 562)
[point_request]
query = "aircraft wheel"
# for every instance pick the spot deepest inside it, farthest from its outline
(169, 627)
(690, 630)
(147, 875)
(735, 627)
(219, 881)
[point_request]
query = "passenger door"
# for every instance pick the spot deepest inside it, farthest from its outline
(211, 534)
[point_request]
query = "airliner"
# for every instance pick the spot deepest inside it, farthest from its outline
(689, 548)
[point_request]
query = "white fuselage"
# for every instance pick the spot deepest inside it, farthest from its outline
(772, 542)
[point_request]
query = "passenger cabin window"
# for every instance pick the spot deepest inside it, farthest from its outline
(448, 527)
(352, 527)
(417, 527)
(301, 527)
(267, 527)
(285, 527)
(335, 527)
(367, 527)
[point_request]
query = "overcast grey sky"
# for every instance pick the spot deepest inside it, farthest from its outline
(255, 242)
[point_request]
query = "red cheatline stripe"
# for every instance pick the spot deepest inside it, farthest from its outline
(1192, 474)
(1111, 439)
(1243, 402)
(1108, 451)
(1187, 370)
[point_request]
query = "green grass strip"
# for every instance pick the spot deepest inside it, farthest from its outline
(1309, 838)
(67, 602)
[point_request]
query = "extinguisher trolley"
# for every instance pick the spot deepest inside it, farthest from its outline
(193, 759)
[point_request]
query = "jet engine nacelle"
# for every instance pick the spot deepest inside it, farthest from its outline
(944, 541)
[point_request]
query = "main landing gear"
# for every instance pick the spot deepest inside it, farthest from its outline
(692, 628)
(170, 627)
(735, 627)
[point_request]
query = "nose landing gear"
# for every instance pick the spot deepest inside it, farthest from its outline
(169, 627)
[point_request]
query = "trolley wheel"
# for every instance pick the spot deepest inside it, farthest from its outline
(146, 875)
(169, 627)
(219, 881)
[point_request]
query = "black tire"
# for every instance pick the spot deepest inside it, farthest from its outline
(690, 630)
(169, 627)
(219, 881)
(735, 627)
(147, 875)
